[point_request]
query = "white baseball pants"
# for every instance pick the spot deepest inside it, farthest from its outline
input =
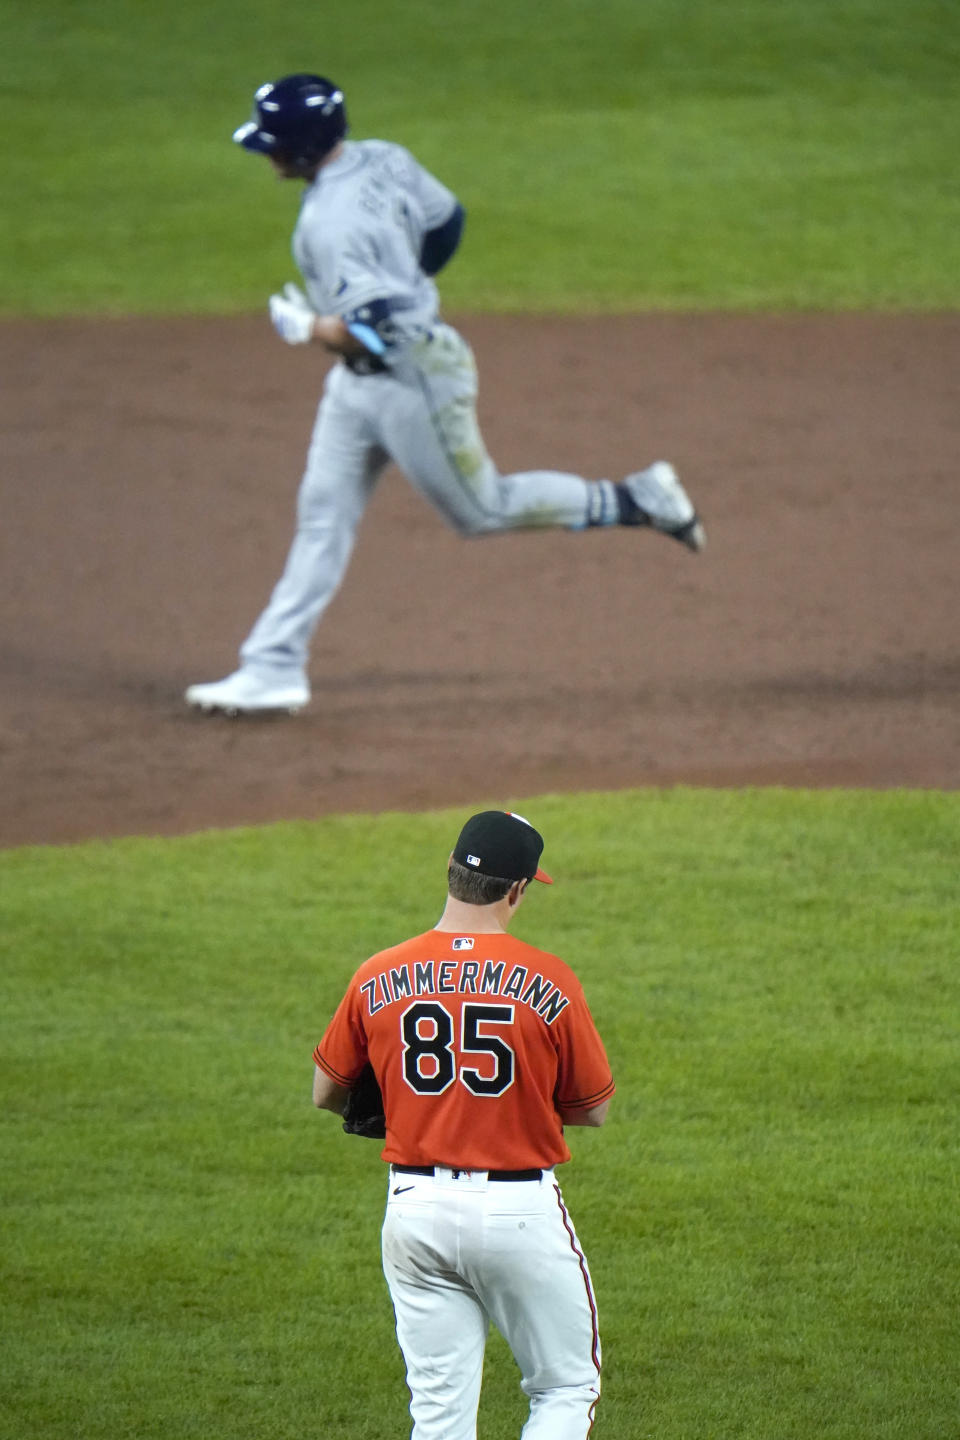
(460, 1251)
(422, 415)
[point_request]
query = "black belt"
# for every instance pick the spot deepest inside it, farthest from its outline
(491, 1174)
(365, 364)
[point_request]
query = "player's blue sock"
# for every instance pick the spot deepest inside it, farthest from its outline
(628, 511)
(603, 504)
(610, 504)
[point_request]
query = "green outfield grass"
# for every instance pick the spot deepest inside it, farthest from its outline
(624, 156)
(771, 1212)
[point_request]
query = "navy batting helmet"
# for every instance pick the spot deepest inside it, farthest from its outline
(299, 118)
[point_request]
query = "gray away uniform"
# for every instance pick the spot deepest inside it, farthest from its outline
(358, 241)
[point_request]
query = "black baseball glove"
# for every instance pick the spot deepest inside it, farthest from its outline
(363, 1112)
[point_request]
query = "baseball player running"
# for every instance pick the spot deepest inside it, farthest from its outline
(374, 227)
(484, 1048)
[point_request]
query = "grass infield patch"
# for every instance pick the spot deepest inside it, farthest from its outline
(770, 1212)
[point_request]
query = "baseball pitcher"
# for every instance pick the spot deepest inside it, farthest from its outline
(471, 1051)
(373, 230)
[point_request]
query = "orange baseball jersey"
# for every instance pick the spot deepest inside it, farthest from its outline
(477, 1042)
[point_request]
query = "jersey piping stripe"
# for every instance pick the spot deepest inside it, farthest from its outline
(335, 1076)
(595, 1351)
(589, 1100)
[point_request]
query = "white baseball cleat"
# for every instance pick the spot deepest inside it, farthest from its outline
(245, 693)
(657, 492)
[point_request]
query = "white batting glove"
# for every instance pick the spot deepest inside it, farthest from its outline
(292, 316)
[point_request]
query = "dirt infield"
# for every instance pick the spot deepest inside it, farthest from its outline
(148, 484)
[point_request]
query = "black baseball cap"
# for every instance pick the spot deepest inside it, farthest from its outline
(497, 842)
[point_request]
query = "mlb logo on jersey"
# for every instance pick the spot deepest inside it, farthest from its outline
(463, 942)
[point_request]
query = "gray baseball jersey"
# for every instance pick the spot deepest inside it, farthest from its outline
(361, 230)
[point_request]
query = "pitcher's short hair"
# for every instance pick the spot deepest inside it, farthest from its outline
(473, 888)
